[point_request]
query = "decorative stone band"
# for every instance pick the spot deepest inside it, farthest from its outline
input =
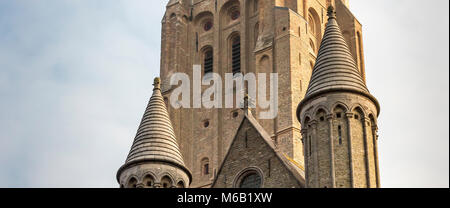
(318, 94)
(140, 161)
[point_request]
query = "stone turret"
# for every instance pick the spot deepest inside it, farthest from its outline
(155, 160)
(339, 119)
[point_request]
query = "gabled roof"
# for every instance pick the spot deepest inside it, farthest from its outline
(155, 139)
(295, 169)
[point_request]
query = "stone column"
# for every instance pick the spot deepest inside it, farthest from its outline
(330, 135)
(366, 147)
(375, 145)
(315, 146)
(304, 133)
(350, 147)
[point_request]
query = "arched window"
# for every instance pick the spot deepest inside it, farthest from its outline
(149, 181)
(166, 182)
(251, 180)
(236, 54)
(205, 166)
(314, 29)
(180, 184)
(339, 113)
(132, 183)
(311, 24)
(208, 60)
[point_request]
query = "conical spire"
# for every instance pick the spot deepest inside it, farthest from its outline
(155, 139)
(335, 68)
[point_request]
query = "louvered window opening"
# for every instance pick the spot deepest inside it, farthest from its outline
(209, 62)
(236, 55)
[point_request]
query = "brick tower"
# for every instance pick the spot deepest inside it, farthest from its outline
(339, 119)
(258, 36)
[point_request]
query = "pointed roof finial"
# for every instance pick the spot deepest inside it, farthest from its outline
(331, 12)
(247, 105)
(157, 83)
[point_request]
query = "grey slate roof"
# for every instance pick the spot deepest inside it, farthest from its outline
(155, 139)
(335, 68)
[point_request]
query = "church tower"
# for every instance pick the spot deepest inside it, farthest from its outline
(155, 160)
(245, 36)
(339, 119)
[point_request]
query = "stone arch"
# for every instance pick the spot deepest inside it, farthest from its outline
(149, 180)
(373, 120)
(357, 108)
(341, 105)
(227, 11)
(166, 181)
(132, 182)
(233, 35)
(265, 65)
(317, 27)
(321, 114)
(314, 27)
(205, 166)
(306, 120)
(321, 108)
(246, 172)
(181, 184)
(235, 52)
(203, 18)
(207, 59)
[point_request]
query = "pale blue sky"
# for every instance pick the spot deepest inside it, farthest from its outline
(76, 75)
